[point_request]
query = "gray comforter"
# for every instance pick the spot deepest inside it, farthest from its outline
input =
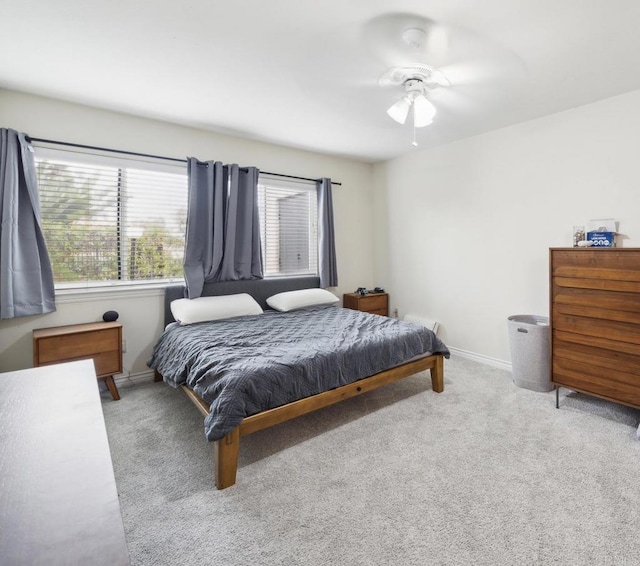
(245, 365)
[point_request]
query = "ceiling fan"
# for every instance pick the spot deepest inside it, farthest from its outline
(416, 81)
(424, 58)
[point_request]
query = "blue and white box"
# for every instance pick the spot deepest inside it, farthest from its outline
(602, 232)
(602, 239)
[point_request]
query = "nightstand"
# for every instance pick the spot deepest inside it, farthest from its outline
(99, 341)
(374, 303)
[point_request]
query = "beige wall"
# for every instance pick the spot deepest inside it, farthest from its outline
(468, 225)
(141, 314)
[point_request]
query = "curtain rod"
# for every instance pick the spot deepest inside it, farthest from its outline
(123, 152)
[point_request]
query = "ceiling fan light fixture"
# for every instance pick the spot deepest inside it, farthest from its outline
(423, 111)
(400, 110)
(416, 80)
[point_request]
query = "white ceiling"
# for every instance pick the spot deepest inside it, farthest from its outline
(305, 73)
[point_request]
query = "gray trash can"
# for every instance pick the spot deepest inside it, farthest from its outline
(530, 351)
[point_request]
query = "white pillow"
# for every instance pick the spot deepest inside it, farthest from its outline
(291, 300)
(188, 311)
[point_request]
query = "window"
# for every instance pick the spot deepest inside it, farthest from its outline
(289, 226)
(108, 220)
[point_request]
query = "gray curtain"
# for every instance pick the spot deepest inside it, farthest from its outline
(326, 235)
(223, 229)
(26, 278)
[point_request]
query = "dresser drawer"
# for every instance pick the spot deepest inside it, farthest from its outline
(622, 264)
(609, 383)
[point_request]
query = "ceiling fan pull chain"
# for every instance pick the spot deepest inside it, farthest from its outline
(414, 143)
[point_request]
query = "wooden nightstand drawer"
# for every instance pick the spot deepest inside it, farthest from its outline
(54, 349)
(374, 303)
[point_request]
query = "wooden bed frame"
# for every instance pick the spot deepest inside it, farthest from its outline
(226, 450)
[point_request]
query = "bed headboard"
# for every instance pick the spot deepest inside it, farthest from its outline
(259, 289)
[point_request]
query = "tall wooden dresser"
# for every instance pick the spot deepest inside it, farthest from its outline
(595, 321)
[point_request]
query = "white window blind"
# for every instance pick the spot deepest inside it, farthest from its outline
(289, 227)
(111, 220)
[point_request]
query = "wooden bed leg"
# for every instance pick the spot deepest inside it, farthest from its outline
(437, 375)
(157, 375)
(226, 459)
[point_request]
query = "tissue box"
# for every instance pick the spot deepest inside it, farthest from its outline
(602, 239)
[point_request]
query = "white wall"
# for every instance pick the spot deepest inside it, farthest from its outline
(142, 314)
(458, 233)
(469, 224)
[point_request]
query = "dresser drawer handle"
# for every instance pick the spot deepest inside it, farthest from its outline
(523, 330)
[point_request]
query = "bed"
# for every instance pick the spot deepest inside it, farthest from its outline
(251, 372)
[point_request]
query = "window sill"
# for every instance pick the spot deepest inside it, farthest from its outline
(119, 291)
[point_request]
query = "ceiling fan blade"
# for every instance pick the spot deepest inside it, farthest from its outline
(461, 54)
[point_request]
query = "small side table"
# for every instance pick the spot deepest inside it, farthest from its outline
(99, 341)
(374, 303)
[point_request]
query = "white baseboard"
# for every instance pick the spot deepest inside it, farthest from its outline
(494, 362)
(132, 378)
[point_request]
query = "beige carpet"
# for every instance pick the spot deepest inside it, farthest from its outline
(485, 473)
